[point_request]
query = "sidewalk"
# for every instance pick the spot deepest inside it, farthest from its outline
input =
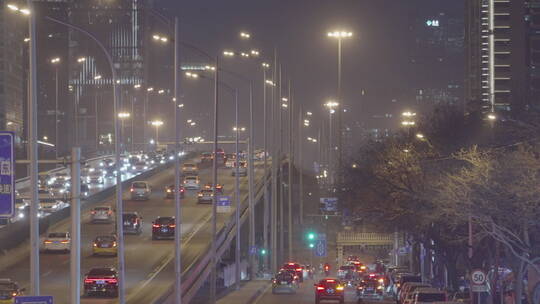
(247, 294)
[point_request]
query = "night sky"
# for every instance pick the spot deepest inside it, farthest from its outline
(375, 59)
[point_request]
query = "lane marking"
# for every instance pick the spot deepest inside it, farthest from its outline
(262, 294)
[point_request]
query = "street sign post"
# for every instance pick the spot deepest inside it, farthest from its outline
(329, 204)
(34, 300)
(478, 281)
(223, 204)
(320, 248)
(7, 174)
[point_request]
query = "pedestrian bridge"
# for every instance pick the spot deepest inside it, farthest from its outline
(352, 243)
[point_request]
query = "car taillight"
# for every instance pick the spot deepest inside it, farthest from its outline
(112, 281)
(330, 281)
(114, 244)
(168, 190)
(88, 281)
(172, 226)
(95, 244)
(109, 212)
(14, 294)
(93, 212)
(131, 190)
(320, 288)
(274, 281)
(64, 241)
(47, 242)
(298, 269)
(155, 225)
(339, 288)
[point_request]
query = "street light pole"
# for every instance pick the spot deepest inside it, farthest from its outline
(56, 113)
(119, 202)
(213, 274)
(265, 173)
(33, 154)
(275, 161)
(299, 164)
(177, 205)
(237, 194)
(340, 113)
(289, 192)
(251, 176)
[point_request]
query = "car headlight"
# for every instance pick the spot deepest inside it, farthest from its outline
(133, 168)
(145, 167)
(171, 157)
(21, 215)
(91, 170)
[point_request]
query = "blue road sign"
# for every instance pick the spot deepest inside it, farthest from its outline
(320, 248)
(223, 204)
(253, 250)
(34, 300)
(7, 174)
(330, 204)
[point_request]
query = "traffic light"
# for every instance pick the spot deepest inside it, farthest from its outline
(311, 245)
(311, 236)
(263, 251)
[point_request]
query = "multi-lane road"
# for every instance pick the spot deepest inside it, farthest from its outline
(148, 262)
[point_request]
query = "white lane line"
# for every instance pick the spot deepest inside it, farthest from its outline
(262, 294)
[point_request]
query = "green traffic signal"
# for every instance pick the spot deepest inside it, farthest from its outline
(263, 251)
(311, 245)
(311, 236)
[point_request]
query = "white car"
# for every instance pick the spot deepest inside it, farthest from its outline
(139, 167)
(140, 190)
(51, 206)
(102, 214)
(192, 182)
(56, 241)
(190, 169)
(230, 163)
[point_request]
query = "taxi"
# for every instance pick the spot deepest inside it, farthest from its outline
(105, 245)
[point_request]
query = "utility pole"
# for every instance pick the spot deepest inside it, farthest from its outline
(177, 204)
(289, 192)
(75, 251)
(280, 175)
(33, 153)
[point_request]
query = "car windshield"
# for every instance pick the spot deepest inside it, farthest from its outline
(165, 221)
(105, 239)
(329, 284)
(102, 208)
(58, 235)
(139, 185)
(431, 297)
(191, 178)
(101, 272)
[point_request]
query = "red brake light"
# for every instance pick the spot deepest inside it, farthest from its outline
(292, 264)
(371, 275)
(87, 281)
(330, 281)
(64, 241)
(320, 288)
(131, 190)
(298, 269)
(155, 225)
(93, 212)
(112, 281)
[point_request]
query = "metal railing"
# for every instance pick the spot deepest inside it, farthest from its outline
(364, 237)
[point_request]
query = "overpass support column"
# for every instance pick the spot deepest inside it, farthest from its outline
(339, 255)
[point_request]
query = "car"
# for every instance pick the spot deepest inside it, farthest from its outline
(242, 169)
(163, 228)
(370, 288)
(105, 245)
(58, 190)
(59, 177)
(205, 195)
(101, 281)
(95, 177)
(169, 191)
(428, 295)
(329, 289)
(102, 214)
(206, 157)
(192, 183)
(190, 169)
(297, 268)
(139, 166)
(110, 172)
(408, 288)
(231, 159)
(345, 272)
(85, 191)
(56, 241)
(132, 223)
(140, 190)
(219, 188)
(9, 289)
(49, 206)
(285, 281)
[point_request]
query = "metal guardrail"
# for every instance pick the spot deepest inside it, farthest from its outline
(195, 275)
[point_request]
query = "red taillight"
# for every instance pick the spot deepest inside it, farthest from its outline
(64, 241)
(371, 275)
(131, 190)
(172, 226)
(93, 212)
(155, 225)
(112, 281)
(298, 269)
(88, 281)
(291, 264)
(330, 281)
(320, 288)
